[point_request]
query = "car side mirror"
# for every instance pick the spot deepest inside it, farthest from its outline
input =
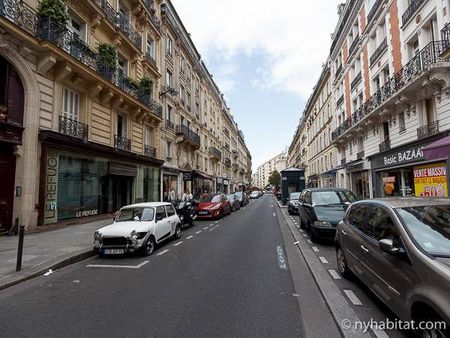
(387, 245)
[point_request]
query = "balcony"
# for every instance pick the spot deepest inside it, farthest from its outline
(419, 65)
(215, 154)
(73, 128)
(445, 36)
(149, 151)
(428, 130)
(411, 10)
(378, 52)
(235, 166)
(338, 72)
(122, 143)
(151, 61)
(374, 10)
(153, 18)
(121, 22)
(186, 135)
(227, 162)
(353, 45)
(356, 81)
(170, 125)
(235, 154)
(385, 145)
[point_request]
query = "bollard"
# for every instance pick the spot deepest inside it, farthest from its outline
(20, 248)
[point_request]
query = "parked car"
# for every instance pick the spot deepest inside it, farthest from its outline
(400, 248)
(254, 194)
(234, 201)
(213, 206)
(293, 203)
(242, 198)
(138, 228)
(321, 209)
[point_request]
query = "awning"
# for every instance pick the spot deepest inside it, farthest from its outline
(438, 149)
(203, 175)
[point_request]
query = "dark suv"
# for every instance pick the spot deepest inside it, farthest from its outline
(321, 209)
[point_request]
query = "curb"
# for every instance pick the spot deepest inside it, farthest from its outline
(33, 272)
(339, 307)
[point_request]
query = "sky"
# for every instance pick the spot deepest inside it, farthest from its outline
(265, 56)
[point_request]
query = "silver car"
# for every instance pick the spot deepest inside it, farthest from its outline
(400, 248)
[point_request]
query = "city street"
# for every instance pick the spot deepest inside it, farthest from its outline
(222, 278)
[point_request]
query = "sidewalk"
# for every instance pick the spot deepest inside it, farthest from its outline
(46, 250)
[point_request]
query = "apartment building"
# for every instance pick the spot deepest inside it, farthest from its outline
(278, 163)
(298, 149)
(91, 117)
(388, 67)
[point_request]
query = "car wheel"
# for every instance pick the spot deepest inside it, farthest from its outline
(177, 233)
(342, 263)
(436, 331)
(148, 247)
(314, 237)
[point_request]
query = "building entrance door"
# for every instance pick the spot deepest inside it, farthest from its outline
(7, 174)
(122, 187)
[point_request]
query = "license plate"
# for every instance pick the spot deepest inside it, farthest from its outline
(203, 213)
(113, 251)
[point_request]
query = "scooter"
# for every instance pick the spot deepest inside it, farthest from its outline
(186, 212)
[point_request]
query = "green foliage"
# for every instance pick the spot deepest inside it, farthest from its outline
(275, 179)
(146, 85)
(108, 54)
(55, 10)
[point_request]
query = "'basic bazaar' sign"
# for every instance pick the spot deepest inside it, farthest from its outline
(404, 156)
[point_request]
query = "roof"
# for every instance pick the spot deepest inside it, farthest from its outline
(147, 204)
(404, 202)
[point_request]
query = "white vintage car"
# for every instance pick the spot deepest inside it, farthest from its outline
(138, 227)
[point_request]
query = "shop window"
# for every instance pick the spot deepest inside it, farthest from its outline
(71, 104)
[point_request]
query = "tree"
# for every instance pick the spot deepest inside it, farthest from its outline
(275, 179)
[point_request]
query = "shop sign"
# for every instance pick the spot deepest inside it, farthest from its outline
(225, 182)
(187, 176)
(399, 157)
(219, 180)
(431, 180)
(388, 185)
(51, 188)
(86, 213)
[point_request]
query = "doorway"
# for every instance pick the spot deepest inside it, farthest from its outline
(122, 189)
(7, 173)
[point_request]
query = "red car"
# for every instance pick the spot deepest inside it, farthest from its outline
(213, 206)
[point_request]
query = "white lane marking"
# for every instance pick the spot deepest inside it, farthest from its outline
(323, 260)
(281, 259)
(274, 214)
(298, 226)
(305, 235)
(334, 274)
(211, 224)
(216, 222)
(118, 266)
(178, 243)
(308, 241)
(379, 333)
(198, 232)
(189, 237)
(302, 231)
(351, 295)
(205, 228)
(315, 249)
(296, 243)
(162, 252)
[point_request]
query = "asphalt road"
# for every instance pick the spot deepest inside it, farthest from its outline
(226, 278)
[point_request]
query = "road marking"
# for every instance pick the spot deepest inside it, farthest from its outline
(178, 243)
(379, 333)
(323, 260)
(211, 224)
(315, 249)
(162, 252)
(274, 214)
(351, 295)
(189, 237)
(302, 231)
(334, 274)
(281, 259)
(198, 232)
(298, 226)
(296, 243)
(304, 235)
(118, 266)
(308, 241)
(216, 222)
(205, 228)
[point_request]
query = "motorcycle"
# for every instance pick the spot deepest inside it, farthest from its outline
(186, 212)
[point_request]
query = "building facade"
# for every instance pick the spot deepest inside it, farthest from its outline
(262, 174)
(85, 121)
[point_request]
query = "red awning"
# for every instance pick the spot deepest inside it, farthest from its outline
(438, 149)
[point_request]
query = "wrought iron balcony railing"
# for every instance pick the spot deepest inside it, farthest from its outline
(73, 128)
(121, 21)
(385, 145)
(418, 65)
(227, 162)
(214, 152)
(378, 52)
(374, 10)
(445, 36)
(411, 10)
(427, 130)
(169, 125)
(188, 133)
(235, 153)
(235, 166)
(122, 143)
(149, 151)
(150, 59)
(353, 45)
(356, 80)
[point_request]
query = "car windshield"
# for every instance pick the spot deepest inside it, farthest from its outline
(332, 197)
(429, 226)
(238, 194)
(211, 198)
(230, 197)
(130, 214)
(295, 195)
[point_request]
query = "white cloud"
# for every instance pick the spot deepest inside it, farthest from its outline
(293, 34)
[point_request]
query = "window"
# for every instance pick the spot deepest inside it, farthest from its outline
(381, 225)
(148, 136)
(168, 78)
(182, 94)
(122, 125)
(182, 64)
(150, 47)
(401, 122)
(169, 113)
(76, 28)
(188, 99)
(160, 213)
(71, 104)
(170, 210)
(169, 50)
(169, 149)
(122, 65)
(357, 216)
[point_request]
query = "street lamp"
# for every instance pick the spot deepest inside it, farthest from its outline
(169, 90)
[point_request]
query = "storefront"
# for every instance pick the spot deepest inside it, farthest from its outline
(198, 183)
(359, 174)
(222, 185)
(406, 172)
(77, 184)
(313, 181)
(170, 184)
